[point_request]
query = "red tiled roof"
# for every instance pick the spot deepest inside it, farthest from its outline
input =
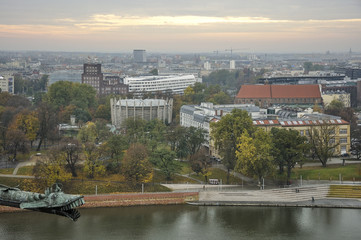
(254, 91)
(279, 91)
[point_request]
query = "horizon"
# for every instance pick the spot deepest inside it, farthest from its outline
(262, 26)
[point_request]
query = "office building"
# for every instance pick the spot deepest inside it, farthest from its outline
(140, 56)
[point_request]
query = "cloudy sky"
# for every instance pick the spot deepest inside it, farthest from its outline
(181, 25)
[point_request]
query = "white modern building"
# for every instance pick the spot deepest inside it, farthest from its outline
(174, 83)
(201, 116)
(146, 109)
(7, 83)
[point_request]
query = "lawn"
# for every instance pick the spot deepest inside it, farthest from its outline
(349, 172)
(6, 170)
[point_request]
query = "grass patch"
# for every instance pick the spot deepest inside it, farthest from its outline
(6, 170)
(349, 172)
(27, 171)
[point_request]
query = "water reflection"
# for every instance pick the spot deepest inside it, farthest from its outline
(186, 222)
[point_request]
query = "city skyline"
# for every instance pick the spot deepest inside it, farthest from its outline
(186, 26)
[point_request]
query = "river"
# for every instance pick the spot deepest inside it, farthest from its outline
(186, 222)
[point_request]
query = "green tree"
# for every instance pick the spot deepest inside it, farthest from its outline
(164, 159)
(136, 166)
(115, 147)
(289, 148)
(60, 93)
(254, 155)
(225, 134)
(201, 163)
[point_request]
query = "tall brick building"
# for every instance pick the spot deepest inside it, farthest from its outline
(268, 95)
(94, 77)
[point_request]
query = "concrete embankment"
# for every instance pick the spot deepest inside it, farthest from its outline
(130, 199)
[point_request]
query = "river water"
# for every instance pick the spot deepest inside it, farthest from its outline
(186, 222)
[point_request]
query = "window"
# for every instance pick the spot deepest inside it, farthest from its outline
(343, 131)
(302, 133)
(343, 140)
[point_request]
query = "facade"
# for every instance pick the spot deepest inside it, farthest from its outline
(140, 56)
(93, 76)
(341, 128)
(268, 95)
(343, 97)
(174, 83)
(201, 116)
(7, 83)
(114, 85)
(146, 109)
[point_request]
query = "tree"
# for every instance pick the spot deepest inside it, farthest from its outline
(87, 133)
(164, 159)
(115, 147)
(71, 149)
(93, 166)
(136, 166)
(225, 133)
(195, 139)
(254, 155)
(51, 170)
(323, 142)
(201, 163)
(16, 142)
(28, 123)
(289, 148)
(47, 122)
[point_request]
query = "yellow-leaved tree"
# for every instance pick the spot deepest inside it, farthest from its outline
(254, 156)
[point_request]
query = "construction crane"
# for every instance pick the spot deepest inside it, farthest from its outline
(231, 50)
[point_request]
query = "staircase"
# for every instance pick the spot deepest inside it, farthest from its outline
(344, 191)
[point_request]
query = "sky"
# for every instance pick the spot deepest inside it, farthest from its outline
(270, 26)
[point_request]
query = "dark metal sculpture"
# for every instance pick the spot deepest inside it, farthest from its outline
(54, 201)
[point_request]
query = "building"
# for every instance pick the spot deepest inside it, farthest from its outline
(201, 116)
(7, 83)
(303, 126)
(268, 95)
(140, 56)
(173, 83)
(344, 97)
(146, 109)
(93, 76)
(114, 85)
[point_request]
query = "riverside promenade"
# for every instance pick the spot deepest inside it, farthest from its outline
(317, 195)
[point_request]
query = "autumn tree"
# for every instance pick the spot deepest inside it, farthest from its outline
(254, 154)
(93, 166)
(164, 159)
(136, 166)
(28, 123)
(87, 133)
(51, 169)
(225, 134)
(323, 142)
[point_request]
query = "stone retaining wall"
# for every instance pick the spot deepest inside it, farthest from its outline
(131, 199)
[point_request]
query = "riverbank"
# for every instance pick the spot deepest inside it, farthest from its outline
(129, 199)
